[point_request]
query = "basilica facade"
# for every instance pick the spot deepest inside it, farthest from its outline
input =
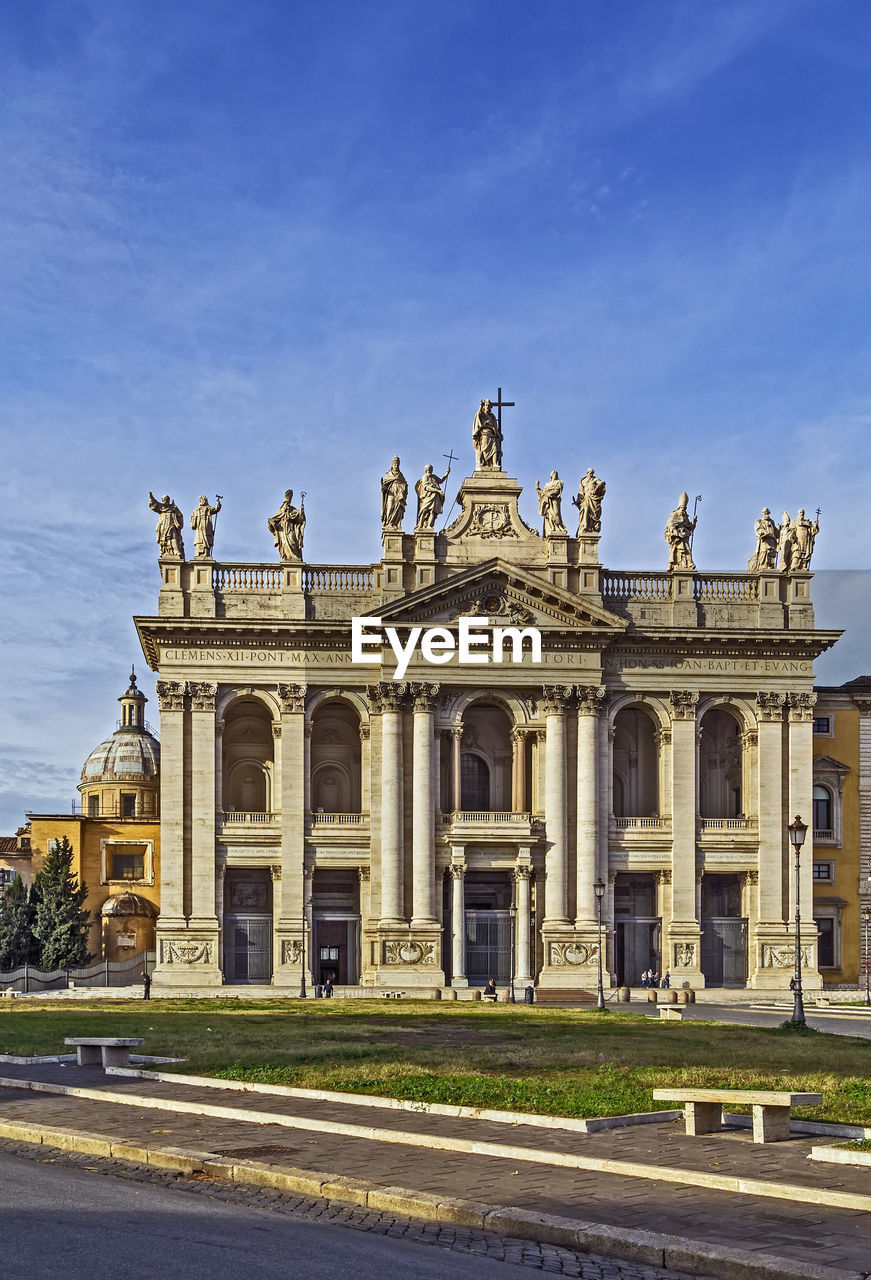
(484, 755)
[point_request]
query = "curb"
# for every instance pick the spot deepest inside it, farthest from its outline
(671, 1253)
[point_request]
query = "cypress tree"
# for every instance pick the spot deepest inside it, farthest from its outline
(17, 910)
(61, 923)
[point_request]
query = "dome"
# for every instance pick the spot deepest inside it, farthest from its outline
(128, 904)
(132, 755)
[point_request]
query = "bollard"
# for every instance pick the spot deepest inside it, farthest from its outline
(672, 997)
(529, 995)
(651, 995)
(623, 995)
(684, 997)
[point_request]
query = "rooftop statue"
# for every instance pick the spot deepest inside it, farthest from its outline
(784, 543)
(767, 534)
(591, 491)
(169, 526)
(203, 526)
(430, 498)
(487, 438)
(679, 535)
(802, 536)
(550, 504)
(394, 492)
(288, 527)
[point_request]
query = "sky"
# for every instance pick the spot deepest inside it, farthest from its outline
(245, 248)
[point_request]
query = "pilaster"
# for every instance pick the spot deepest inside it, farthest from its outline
(683, 956)
(289, 891)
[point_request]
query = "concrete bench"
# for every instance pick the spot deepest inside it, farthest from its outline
(110, 1051)
(703, 1109)
(669, 1013)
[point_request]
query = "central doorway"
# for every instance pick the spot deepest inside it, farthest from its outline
(248, 926)
(637, 928)
(487, 925)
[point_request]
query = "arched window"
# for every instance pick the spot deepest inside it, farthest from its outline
(822, 809)
(475, 781)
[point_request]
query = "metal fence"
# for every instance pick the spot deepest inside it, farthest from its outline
(103, 973)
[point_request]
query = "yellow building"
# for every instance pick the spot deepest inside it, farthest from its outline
(842, 723)
(116, 836)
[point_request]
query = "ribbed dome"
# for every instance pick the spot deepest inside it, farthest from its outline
(128, 904)
(130, 754)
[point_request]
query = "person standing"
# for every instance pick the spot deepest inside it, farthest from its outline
(146, 984)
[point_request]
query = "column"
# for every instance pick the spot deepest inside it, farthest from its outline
(523, 962)
(456, 771)
(292, 802)
(684, 938)
(772, 823)
(458, 920)
(555, 896)
(801, 750)
(392, 794)
(219, 766)
(518, 771)
(423, 807)
(365, 770)
(170, 695)
(203, 805)
(590, 698)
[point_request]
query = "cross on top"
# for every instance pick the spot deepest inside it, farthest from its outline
(499, 405)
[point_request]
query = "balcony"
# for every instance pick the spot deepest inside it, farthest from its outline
(824, 835)
(492, 822)
(321, 819)
(655, 823)
(725, 824)
(337, 828)
(240, 821)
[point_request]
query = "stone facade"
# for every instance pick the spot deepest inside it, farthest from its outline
(426, 833)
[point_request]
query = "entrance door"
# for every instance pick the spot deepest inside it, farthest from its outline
(488, 946)
(637, 949)
(724, 951)
(247, 949)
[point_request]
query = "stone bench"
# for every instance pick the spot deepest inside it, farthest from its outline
(670, 1012)
(703, 1109)
(110, 1051)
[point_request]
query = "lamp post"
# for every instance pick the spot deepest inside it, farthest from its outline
(513, 913)
(599, 888)
(797, 832)
(306, 902)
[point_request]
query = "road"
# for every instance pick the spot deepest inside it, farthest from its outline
(843, 1021)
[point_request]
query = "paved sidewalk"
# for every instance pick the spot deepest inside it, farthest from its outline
(790, 1228)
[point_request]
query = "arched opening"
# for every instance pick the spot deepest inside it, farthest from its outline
(485, 759)
(247, 754)
(823, 812)
(336, 774)
(636, 764)
(720, 766)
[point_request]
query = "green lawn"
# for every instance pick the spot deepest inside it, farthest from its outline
(564, 1062)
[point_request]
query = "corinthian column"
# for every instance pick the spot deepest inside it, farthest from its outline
(392, 793)
(801, 751)
(590, 699)
(684, 958)
(203, 805)
(458, 925)
(423, 807)
(522, 963)
(290, 889)
(170, 698)
(555, 887)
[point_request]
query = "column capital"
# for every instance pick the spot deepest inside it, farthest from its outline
(291, 697)
(522, 871)
(276, 729)
(769, 706)
(387, 695)
(457, 871)
(683, 704)
(801, 707)
(662, 737)
(364, 873)
(664, 876)
(518, 735)
(170, 694)
(275, 871)
(424, 696)
(202, 696)
(556, 698)
(750, 877)
(365, 732)
(750, 737)
(592, 699)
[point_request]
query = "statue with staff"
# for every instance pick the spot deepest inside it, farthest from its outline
(287, 526)
(204, 526)
(678, 534)
(430, 497)
(591, 491)
(803, 536)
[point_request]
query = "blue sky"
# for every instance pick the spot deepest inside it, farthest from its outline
(251, 247)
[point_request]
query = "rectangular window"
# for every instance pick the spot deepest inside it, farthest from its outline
(329, 953)
(128, 806)
(93, 806)
(826, 926)
(7, 875)
(824, 872)
(823, 726)
(129, 865)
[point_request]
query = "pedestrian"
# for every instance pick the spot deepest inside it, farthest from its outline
(651, 980)
(328, 986)
(666, 980)
(644, 977)
(490, 992)
(146, 984)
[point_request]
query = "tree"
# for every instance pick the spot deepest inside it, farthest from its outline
(17, 910)
(61, 924)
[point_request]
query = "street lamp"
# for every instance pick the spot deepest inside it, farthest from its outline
(306, 902)
(797, 832)
(513, 914)
(599, 887)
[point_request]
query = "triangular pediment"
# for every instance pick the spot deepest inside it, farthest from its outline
(509, 595)
(828, 764)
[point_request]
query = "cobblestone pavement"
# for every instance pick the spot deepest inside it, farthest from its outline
(838, 1238)
(465, 1240)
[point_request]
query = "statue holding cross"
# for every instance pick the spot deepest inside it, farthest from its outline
(487, 434)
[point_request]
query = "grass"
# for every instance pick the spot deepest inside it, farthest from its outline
(561, 1062)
